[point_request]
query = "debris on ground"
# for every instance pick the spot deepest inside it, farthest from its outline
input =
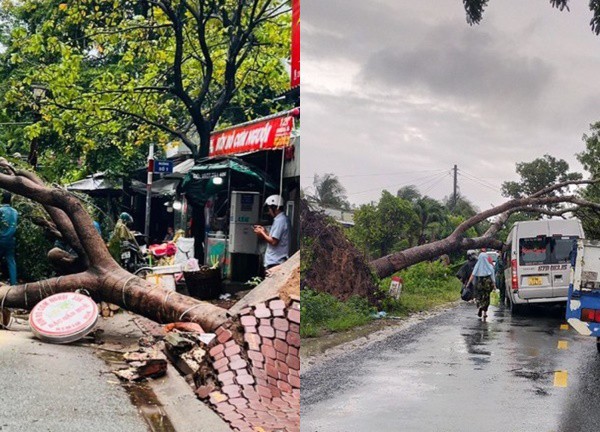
(146, 363)
(184, 326)
(324, 239)
(108, 310)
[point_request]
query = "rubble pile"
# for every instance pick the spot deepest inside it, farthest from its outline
(330, 263)
(249, 373)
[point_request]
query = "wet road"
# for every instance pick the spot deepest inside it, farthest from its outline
(456, 373)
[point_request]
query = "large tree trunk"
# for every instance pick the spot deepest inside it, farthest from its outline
(457, 241)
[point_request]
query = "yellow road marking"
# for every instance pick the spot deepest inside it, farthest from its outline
(560, 379)
(562, 344)
(564, 326)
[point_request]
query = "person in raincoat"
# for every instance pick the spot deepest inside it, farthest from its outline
(484, 280)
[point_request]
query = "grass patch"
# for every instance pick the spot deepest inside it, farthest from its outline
(322, 313)
(426, 285)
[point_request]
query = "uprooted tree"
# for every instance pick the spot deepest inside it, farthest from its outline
(94, 268)
(554, 200)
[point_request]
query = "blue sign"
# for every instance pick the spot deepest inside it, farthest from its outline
(163, 167)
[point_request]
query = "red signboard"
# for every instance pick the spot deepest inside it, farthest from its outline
(263, 135)
(295, 81)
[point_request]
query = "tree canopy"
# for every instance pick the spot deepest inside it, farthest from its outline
(475, 8)
(120, 74)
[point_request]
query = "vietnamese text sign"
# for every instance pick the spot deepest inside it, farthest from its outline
(263, 135)
(163, 167)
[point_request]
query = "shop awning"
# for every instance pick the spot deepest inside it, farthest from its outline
(97, 183)
(160, 188)
(213, 176)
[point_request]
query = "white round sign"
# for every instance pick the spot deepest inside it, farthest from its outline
(64, 317)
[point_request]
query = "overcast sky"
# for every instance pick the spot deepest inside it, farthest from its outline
(396, 92)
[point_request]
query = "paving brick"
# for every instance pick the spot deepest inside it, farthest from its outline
(229, 344)
(256, 356)
(293, 362)
(281, 324)
(216, 350)
(250, 329)
(272, 371)
(279, 313)
(204, 391)
(246, 379)
(219, 330)
(294, 381)
(226, 376)
(295, 327)
(280, 346)
(267, 342)
(266, 331)
(293, 339)
(224, 336)
(294, 315)
(248, 320)
(232, 350)
(217, 397)
(263, 391)
(253, 341)
(270, 361)
(268, 352)
(296, 305)
(238, 364)
(280, 334)
(265, 322)
(276, 304)
(294, 351)
(282, 367)
(246, 311)
(231, 390)
(259, 373)
(220, 363)
(280, 356)
(225, 408)
(262, 312)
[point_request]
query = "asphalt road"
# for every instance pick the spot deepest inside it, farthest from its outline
(456, 373)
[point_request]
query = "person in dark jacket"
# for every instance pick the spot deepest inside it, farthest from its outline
(467, 268)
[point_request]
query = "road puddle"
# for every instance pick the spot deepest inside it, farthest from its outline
(141, 396)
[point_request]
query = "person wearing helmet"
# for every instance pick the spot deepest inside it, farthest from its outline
(121, 233)
(467, 268)
(278, 245)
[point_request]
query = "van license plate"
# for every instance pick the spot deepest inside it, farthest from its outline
(536, 280)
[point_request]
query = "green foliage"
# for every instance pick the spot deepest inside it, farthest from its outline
(31, 251)
(322, 312)
(328, 192)
(426, 285)
(307, 255)
(538, 174)
(590, 159)
(123, 74)
(384, 228)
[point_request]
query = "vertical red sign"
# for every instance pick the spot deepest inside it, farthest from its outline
(295, 78)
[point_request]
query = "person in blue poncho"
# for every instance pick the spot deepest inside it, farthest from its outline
(484, 280)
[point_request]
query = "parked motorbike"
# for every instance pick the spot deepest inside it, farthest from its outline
(132, 257)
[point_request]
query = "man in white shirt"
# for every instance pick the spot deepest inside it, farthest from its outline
(278, 237)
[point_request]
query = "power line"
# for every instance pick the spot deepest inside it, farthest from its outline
(389, 174)
(480, 179)
(436, 183)
(399, 184)
(495, 189)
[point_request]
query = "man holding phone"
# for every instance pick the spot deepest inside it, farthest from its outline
(278, 245)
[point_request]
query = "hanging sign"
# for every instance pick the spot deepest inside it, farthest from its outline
(262, 135)
(295, 63)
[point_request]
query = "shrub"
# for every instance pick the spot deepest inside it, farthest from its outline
(425, 285)
(322, 312)
(31, 252)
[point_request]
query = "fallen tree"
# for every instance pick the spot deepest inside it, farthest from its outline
(94, 269)
(534, 203)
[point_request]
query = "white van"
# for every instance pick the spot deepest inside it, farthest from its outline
(536, 261)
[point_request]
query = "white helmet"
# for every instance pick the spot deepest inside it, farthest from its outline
(274, 200)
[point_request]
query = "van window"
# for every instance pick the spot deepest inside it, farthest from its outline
(532, 251)
(545, 250)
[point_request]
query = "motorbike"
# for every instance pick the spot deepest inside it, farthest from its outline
(132, 257)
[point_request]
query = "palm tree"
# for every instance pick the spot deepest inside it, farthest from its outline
(329, 192)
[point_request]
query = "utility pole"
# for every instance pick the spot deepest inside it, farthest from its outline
(149, 193)
(455, 194)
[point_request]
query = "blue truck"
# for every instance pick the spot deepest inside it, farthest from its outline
(583, 302)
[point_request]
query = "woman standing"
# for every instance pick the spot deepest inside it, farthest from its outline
(484, 280)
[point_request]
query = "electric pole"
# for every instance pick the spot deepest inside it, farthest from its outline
(455, 194)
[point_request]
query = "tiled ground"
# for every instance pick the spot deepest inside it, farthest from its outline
(258, 372)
